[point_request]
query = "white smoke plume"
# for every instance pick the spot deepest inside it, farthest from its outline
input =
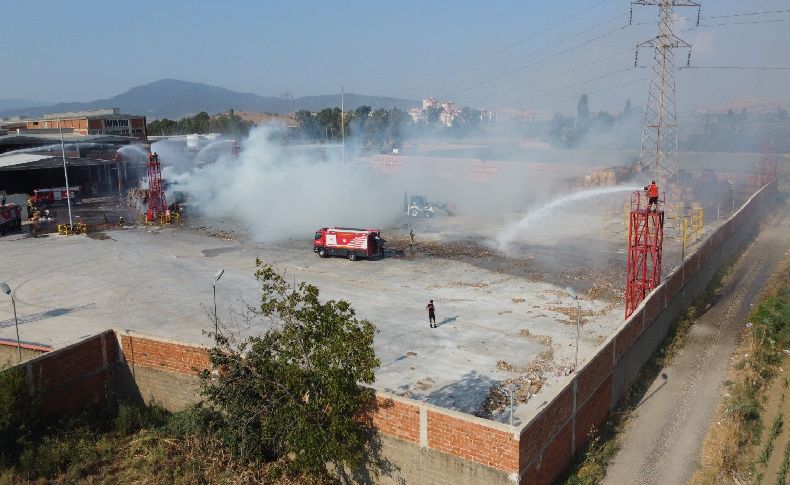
(280, 193)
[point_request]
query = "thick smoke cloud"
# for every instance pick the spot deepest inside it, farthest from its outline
(280, 193)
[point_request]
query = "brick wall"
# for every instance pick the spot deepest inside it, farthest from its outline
(74, 377)
(397, 418)
(160, 354)
(480, 442)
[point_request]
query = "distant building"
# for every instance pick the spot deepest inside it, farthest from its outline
(430, 103)
(417, 115)
(94, 122)
(449, 113)
(488, 115)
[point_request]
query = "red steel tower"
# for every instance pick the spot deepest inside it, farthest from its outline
(645, 241)
(157, 205)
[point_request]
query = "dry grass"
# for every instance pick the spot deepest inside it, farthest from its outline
(149, 457)
(728, 445)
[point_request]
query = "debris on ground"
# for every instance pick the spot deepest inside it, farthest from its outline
(526, 385)
(217, 233)
(425, 384)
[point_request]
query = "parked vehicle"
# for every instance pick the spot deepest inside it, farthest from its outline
(348, 242)
(420, 206)
(56, 195)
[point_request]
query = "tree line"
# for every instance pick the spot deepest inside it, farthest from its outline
(380, 128)
(228, 123)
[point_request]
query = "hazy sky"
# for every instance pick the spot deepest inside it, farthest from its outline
(79, 51)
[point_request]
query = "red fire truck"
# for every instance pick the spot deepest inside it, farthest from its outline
(348, 242)
(55, 195)
(10, 218)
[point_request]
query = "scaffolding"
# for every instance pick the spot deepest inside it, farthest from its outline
(645, 247)
(157, 204)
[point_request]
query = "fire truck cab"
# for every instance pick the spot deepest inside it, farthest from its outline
(348, 242)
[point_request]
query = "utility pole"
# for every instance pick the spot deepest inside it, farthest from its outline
(65, 172)
(287, 103)
(658, 153)
(342, 122)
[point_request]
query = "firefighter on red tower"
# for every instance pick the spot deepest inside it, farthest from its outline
(652, 195)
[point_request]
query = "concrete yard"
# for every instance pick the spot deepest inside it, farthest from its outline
(498, 320)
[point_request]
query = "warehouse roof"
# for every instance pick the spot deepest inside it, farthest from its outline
(32, 161)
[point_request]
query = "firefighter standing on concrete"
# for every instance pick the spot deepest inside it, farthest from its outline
(36, 219)
(431, 314)
(652, 194)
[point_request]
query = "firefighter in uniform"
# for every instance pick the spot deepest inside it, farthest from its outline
(36, 220)
(652, 194)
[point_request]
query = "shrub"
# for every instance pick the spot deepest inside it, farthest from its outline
(18, 414)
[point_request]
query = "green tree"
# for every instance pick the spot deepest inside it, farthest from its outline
(298, 391)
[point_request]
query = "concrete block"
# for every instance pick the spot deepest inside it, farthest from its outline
(412, 464)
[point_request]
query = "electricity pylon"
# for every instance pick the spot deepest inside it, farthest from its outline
(658, 154)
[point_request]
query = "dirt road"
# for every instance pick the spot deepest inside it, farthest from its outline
(662, 441)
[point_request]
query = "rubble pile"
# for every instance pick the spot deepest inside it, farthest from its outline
(456, 249)
(527, 384)
(523, 387)
(136, 198)
(217, 233)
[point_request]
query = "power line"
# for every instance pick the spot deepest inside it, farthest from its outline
(574, 85)
(741, 68)
(477, 25)
(747, 14)
(751, 22)
(553, 44)
(576, 96)
(743, 14)
(539, 61)
(504, 49)
(576, 68)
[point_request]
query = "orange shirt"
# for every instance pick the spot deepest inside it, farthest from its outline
(652, 190)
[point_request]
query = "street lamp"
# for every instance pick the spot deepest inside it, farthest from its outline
(572, 293)
(217, 276)
(7, 290)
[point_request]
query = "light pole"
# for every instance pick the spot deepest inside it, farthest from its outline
(65, 172)
(572, 293)
(7, 290)
(217, 276)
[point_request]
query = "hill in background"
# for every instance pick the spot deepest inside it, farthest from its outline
(174, 99)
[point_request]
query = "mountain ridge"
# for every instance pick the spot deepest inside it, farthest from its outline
(175, 99)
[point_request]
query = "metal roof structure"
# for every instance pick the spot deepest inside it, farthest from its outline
(26, 138)
(32, 161)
